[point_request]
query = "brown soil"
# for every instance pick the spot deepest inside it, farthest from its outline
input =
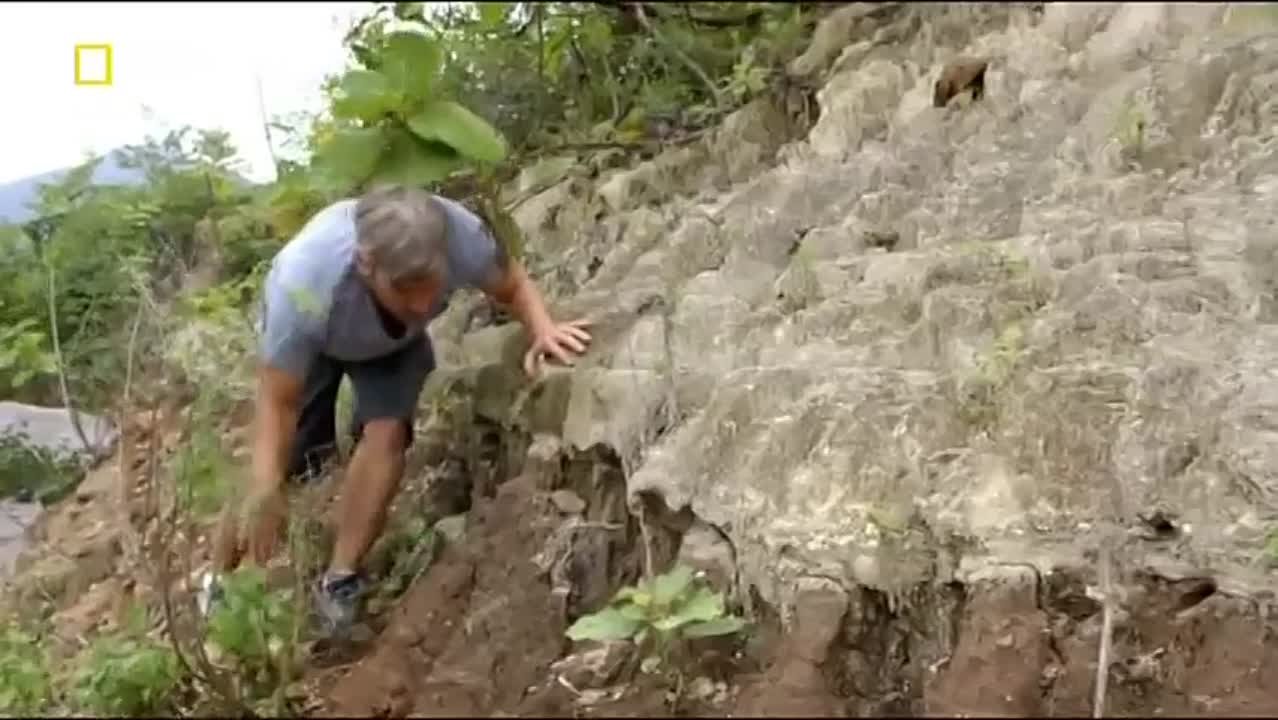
(478, 635)
(482, 634)
(471, 636)
(1183, 651)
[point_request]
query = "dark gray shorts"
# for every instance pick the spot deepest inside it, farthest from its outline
(386, 387)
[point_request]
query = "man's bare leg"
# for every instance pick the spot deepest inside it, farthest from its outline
(372, 478)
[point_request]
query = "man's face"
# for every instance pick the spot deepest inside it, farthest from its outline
(409, 302)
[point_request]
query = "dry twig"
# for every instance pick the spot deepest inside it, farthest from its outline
(1106, 597)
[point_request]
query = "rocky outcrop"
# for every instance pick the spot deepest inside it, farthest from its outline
(902, 377)
(920, 346)
(55, 430)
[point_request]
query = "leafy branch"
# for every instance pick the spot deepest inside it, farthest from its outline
(393, 125)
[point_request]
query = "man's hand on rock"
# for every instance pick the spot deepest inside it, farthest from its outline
(561, 341)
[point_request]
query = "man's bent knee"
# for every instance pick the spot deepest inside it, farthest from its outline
(389, 435)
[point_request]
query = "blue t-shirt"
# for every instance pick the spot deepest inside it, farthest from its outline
(314, 303)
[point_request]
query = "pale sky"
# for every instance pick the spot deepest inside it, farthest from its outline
(191, 63)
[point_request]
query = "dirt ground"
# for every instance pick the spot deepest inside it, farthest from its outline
(482, 634)
(481, 631)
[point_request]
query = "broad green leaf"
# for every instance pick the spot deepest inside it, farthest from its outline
(633, 595)
(667, 587)
(607, 624)
(705, 604)
(447, 122)
(364, 94)
(412, 161)
(351, 154)
(491, 14)
(560, 33)
(634, 612)
(411, 62)
(711, 628)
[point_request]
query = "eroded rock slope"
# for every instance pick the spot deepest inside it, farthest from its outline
(979, 346)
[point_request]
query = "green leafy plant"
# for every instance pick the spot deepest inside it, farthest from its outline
(658, 613)
(126, 673)
(253, 629)
(994, 370)
(24, 354)
(747, 78)
(33, 473)
(25, 684)
(1271, 545)
(392, 126)
(202, 472)
(1129, 129)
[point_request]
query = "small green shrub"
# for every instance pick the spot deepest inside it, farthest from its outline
(994, 370)
(25, 683)
(32, 473)
(125, 673)
(254, 629)
(658, 614)
(26, 356)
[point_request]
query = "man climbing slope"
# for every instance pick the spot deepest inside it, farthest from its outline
(352, 294)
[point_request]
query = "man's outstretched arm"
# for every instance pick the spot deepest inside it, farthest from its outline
(286, 350)
(278, 406)
(262, 509)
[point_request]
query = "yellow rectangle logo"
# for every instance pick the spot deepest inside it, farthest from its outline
(93, 64)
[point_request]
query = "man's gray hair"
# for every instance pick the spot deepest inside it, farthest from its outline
(402, 231)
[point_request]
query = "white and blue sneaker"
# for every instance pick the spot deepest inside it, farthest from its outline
(210, 595)
(337, 602)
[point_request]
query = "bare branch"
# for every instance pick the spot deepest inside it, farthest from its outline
(62, 368)
(266, 126)
(647, 539)
(1106, 593)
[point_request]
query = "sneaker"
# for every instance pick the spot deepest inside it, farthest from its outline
(210, 595)
(337, 602)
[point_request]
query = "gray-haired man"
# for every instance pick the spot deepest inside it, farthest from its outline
(351, 294)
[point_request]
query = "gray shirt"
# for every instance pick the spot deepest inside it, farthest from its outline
(314, 303)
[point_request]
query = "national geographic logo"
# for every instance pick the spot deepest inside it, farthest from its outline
(93, 64)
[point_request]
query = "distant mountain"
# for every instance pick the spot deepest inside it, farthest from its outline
(15, 195)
